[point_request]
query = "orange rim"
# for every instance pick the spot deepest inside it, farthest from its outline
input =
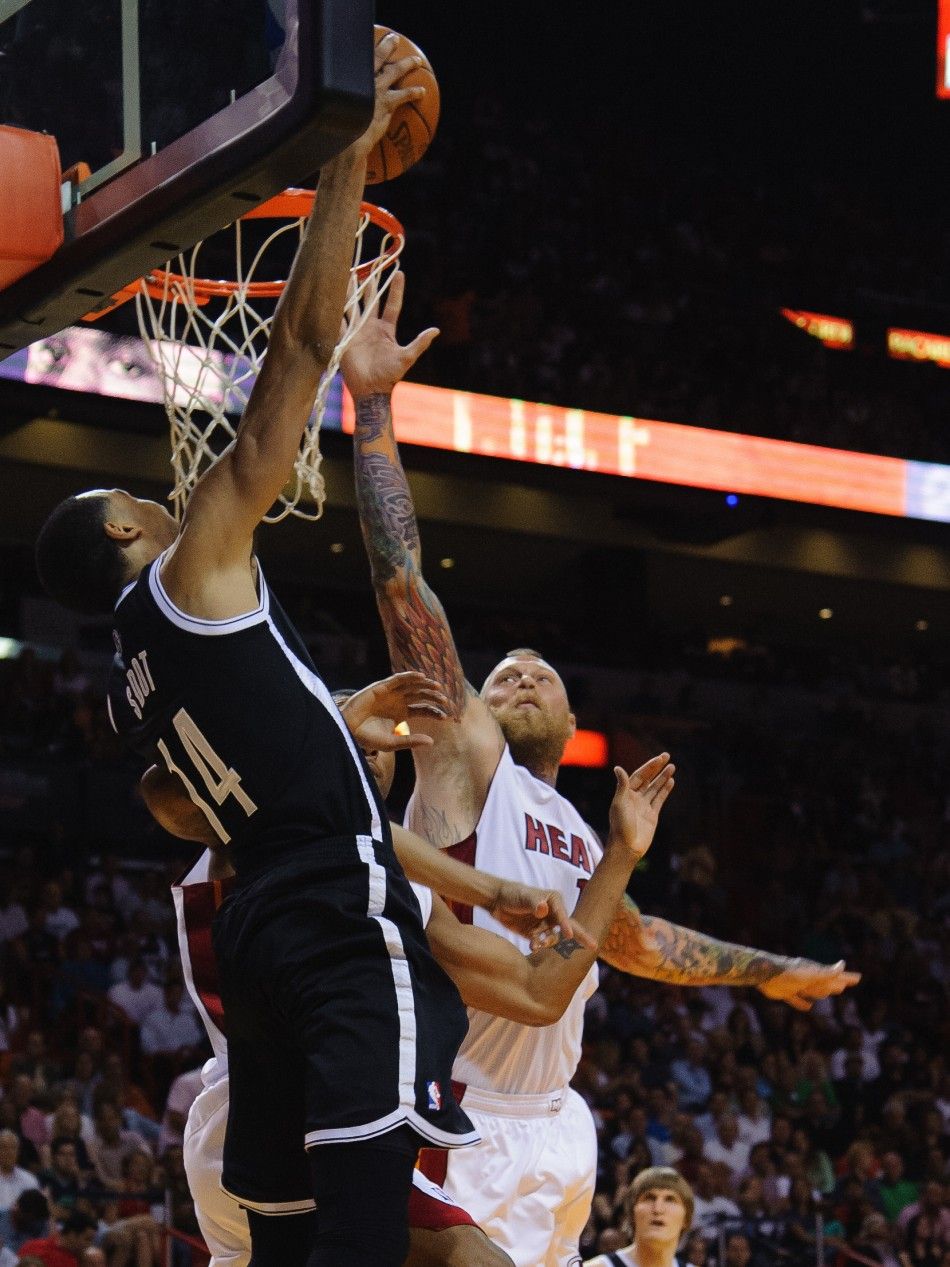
(292, 204)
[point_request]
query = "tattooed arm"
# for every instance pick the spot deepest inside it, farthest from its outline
(452, 776)
(647, 946)
(493, 976)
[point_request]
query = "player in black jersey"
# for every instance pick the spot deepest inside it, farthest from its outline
(341, 1026)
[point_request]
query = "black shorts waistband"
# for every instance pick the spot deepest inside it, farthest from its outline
(313, 858)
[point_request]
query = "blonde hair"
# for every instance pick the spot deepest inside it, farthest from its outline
(663, 1177)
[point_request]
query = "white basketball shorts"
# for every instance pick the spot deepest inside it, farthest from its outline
(530, 1182)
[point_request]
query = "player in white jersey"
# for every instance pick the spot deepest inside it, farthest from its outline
(534, 992)
(486, 790)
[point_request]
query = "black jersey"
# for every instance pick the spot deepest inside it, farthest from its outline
(238, 711)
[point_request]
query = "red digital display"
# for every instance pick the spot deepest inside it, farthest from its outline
(834, 332)
(918, 345)
(943, 48)
(668, 452)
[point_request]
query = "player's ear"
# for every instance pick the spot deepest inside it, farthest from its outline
(119, 529)
(573, 723)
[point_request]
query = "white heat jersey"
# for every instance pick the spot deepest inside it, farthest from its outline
(196, 899)
(527, 831)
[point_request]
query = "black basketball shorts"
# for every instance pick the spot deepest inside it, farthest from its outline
(340, 1024)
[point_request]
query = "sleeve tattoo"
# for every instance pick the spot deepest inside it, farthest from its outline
(647, 946)
(417, 631)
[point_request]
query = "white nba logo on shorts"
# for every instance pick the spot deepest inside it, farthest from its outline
(435, 1095)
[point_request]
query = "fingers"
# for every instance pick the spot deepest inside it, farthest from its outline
(556, 910)
(583, 936)
(384, 49)
(658, 797)
(394, 297)
(655, 777)
(390, 73)
(402, 742)
(799, 1002)
(648, 771)
(542, 938)
(397, 97)
(421, 343)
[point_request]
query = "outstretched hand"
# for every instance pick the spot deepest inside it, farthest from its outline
(372, 713)
(389, 71)
(538, 914)
(637, 802)
(374, 360)
(804, 981)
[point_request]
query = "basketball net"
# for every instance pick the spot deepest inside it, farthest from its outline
(208, 340)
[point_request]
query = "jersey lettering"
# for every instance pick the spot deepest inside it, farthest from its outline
(546, 838)
(220, 779)
(140, 683)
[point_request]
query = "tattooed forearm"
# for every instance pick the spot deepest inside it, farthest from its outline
(650, 947)
(373, 418)
(417, 631)
(387, 516)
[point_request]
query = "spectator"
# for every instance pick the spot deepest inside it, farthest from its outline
(895, 1133)
(696, 1250)
(691, 1077)
(34, 1062)
(111, 1144)
(727, 1147)
(66, 1122)
(862, 1054)
(85, 1078)
(58, 920)
(137, 995)
(738, 1250)
(65, 1247)
(817, 1164)
(118, 889)
(13, 1179)
(30, 1120)
(28, 1219)
(61, 1181)
(875, 1241)
(926, 1227)
(171, 1027)
(754, 1121)
(138, 1113)
(895, 1192)
(712, 1208)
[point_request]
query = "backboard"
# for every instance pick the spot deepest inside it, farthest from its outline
(186, 114)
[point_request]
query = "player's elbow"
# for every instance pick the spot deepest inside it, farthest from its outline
(544, 1011)
(301, 338)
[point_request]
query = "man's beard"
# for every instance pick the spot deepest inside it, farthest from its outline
(535, 742)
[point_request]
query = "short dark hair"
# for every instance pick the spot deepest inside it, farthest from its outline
(78, 564)
(78, 1222)
(32, 1204)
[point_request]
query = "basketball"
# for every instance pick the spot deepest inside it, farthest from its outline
(413, 125)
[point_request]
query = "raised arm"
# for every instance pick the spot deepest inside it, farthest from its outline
(535, 990)
(454, 773)
(650, 947)
(207, 572)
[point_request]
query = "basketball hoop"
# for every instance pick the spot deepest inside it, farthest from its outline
(208, 337)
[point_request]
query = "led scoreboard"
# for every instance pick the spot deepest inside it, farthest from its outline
(943, 48)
